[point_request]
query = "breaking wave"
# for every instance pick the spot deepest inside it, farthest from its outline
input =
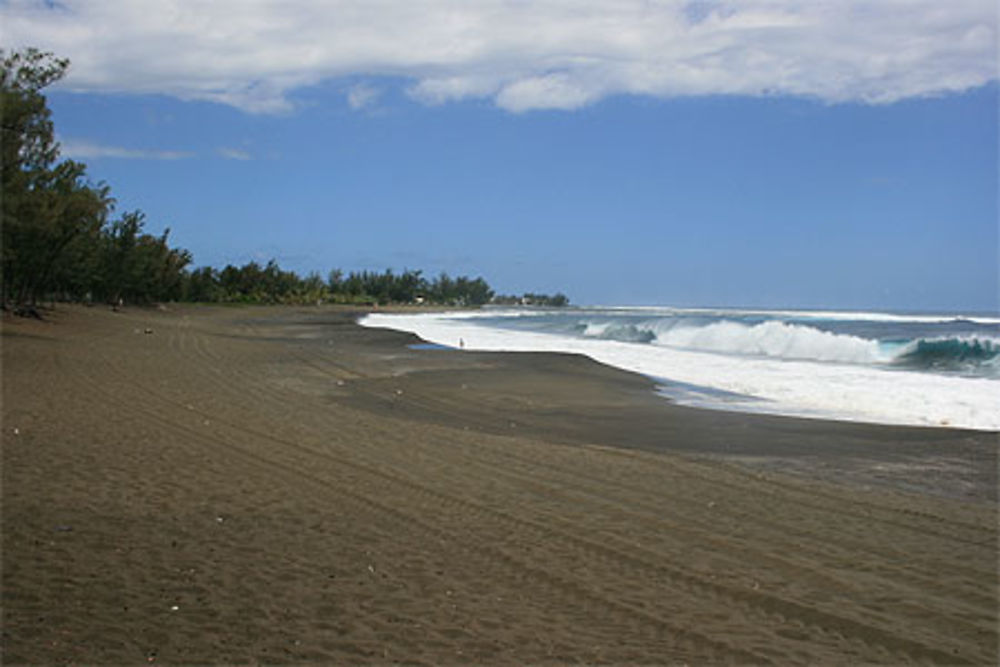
(773, 339)
(628, 333)
(925, 373)
(950, 354)
(782, 340)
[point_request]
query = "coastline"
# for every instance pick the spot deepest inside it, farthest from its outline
(630, 410)
(860, 369)
(301, 488)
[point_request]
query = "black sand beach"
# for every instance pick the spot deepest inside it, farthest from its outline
(282, 485)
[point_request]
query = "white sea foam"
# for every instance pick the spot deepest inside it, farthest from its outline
(845, 391)
(772, 339)
(597, 329)
(829, 315)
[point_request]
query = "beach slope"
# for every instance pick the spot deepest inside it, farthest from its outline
(231, 485)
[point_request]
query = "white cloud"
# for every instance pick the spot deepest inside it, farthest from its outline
(362, 95)
(521, 54)
(234, 154)
(83, 149)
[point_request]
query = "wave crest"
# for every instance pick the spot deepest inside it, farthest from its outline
(625, 332)
(949, 354)
(773, 339)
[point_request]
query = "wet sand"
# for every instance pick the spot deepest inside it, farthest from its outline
(281, 485)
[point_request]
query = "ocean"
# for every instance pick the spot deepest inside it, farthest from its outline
(886, 368)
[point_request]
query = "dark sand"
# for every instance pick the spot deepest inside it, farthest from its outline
(281, 485)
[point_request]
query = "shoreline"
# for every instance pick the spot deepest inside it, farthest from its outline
(280, 484)
(855, 452)
(804, 386)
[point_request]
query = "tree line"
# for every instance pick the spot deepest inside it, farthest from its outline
(60, 241)
(58, 238)
(557, 300)
(253, 283)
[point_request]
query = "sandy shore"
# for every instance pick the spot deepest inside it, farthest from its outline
(281, 485)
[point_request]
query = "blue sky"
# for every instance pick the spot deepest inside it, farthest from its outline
(827, 171)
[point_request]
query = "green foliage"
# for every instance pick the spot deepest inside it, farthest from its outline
(45, 206)
(58, 243)
(28, 138)
(557, 300)
(460, 291)
(137, 267)
(253, 284)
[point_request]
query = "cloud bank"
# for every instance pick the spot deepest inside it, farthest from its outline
(521, 54)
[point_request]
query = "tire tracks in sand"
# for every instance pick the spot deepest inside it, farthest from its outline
(780, 628)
